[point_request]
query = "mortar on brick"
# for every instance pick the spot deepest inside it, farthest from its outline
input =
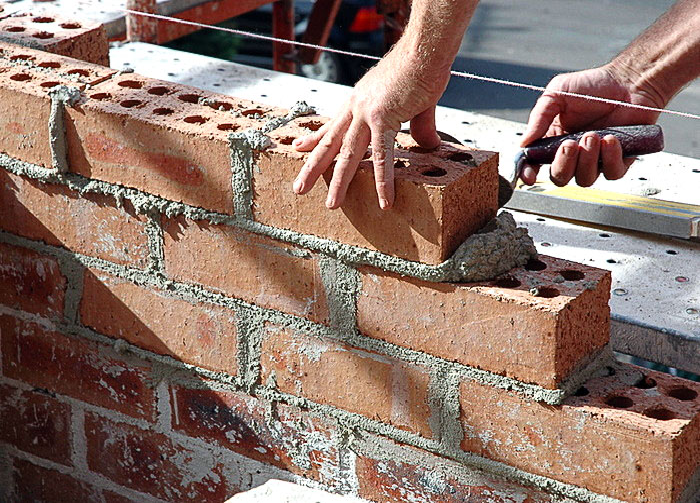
(61, 96)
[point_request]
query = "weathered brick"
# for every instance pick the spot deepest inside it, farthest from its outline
(151, 462)
(334, 373)
(36, 484)
(624, 436)
(196, 333)
(499, 326)
(80, 40)
(405, 474)
(26, 76)
(35, 422)
(155, 136)
(78, 368)
(293, 439)
(440, 201)
(31, 282)
(90, 224)
(246, 266)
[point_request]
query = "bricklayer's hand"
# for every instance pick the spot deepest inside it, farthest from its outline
(555, 114)
(398, 89)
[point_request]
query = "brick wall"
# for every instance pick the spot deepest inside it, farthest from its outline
(176, 326)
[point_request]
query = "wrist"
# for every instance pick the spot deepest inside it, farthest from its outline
(640, 80)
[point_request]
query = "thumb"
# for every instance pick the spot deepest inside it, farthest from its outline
(423, 129)
(541, 117)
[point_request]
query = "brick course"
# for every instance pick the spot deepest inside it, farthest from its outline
(35, 484)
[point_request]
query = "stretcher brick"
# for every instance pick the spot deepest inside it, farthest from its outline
(38, 484)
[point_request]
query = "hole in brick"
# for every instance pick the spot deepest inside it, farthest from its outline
(399, 164)
(286, 140)
(611, 371)
(460, 157)
(252, 111)
(582, 391)
(131, 84)
(220, 105)
(69, 26)
(535, 265)
(158, 90)
(434, 172)
(78, 71)
(50, 83)
(660, 413)
(619, 402)
(49, 64)
(604, 235)
(572, 275)
(15, 29)
(312, 125)
(22, 57)
(683, 393)
(100, 96)
(130, 103)
(43, 35)
(234, 127)
(43, 19)
(195, 119)
(671, 252)
(162, 111)
(645, 382)
(189, 98)
(547, 292)
(421, 150)
(20, 77)
(508, 282)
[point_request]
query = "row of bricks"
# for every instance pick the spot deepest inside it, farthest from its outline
(549, 333)
(161, 138)
(629, 434)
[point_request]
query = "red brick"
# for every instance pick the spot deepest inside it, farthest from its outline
(26, 76)
(497, 326)
(111, 497)
(90, 224)
(80, 40)
(333, 373)
(78, 368)
(618, 437)
(151, 462)
(139, 133)
(36, 423)
(420, 476)
(295, 440)
(35, 484)
(196, 333)
(246, 266)
(431, 217)
(31, 282)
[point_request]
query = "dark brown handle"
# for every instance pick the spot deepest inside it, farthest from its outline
(635, 140)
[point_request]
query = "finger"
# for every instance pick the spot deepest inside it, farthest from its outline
(587, 170)
(541, 116)
(383, 161)
(351, 153)
(423, 129)
(611, 154)
(529, 173)
(309, 142)
(321, 157)
(564, 163)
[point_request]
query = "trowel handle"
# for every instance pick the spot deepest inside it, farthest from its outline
(635, 140)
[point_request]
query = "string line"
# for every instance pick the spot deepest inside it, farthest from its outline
(456, 73)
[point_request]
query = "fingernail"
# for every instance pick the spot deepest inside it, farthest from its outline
(383, 203)
(298, 186)
(589, 141)
(330, 203)
(297, 142)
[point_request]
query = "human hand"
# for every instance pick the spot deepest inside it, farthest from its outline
(398, 89)
(555, 114)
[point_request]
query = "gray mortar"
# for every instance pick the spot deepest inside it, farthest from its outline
(60, 97)
(443, 398)
(154, 231)
(300, 109)
(74, 292)
(341, 284)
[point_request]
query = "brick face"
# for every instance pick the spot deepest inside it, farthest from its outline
(36, 423)
(35, 484)
(90, 224)
(293, 439)
(77, 368)
(151, 462)
(196, 333)
(497, 326)
(240, 264)
(627, 440)
(336, 374)
(31, 282)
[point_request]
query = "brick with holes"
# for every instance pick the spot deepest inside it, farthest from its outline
(538, 324)
(630, 433)
(82, 40)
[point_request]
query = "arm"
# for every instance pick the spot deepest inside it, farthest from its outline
(650, 71)
(404, 86)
